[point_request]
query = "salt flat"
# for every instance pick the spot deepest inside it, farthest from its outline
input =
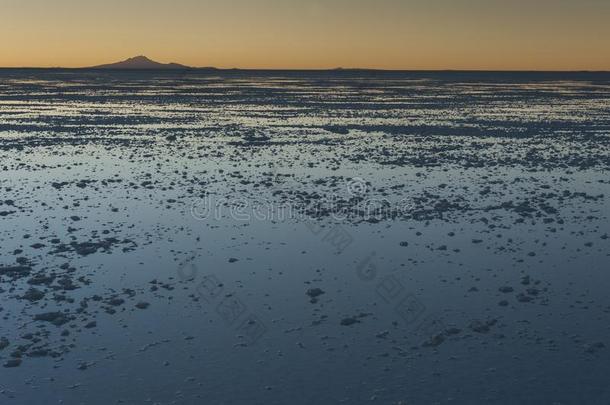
(304, 237)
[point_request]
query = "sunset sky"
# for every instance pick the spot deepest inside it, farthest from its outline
(388, 34)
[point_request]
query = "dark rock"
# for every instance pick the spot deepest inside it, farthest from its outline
(56, 318)
(142, 305)
(33, 294)
(115, 302)
(12, 363)
(15, 271)
(4, 343)
(349, 321)
(314, 293)
(434, 341)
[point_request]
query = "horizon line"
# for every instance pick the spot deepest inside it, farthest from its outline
(337, 69)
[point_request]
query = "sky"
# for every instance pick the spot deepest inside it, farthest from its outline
(310, 34)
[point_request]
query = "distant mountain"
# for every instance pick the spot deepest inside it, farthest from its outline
(141, 62)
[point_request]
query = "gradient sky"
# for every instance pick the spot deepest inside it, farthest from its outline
(389, 34)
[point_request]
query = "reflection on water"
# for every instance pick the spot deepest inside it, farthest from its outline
(292, 237)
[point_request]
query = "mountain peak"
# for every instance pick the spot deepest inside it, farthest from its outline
(140, 58)
(141, 62)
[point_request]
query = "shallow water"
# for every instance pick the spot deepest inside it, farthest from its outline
(304, 237)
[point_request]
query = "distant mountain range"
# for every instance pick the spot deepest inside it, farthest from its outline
(142, 62)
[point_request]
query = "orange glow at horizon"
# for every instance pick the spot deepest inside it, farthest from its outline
(292, 34)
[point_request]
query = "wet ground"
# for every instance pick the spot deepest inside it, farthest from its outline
(322, 237)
